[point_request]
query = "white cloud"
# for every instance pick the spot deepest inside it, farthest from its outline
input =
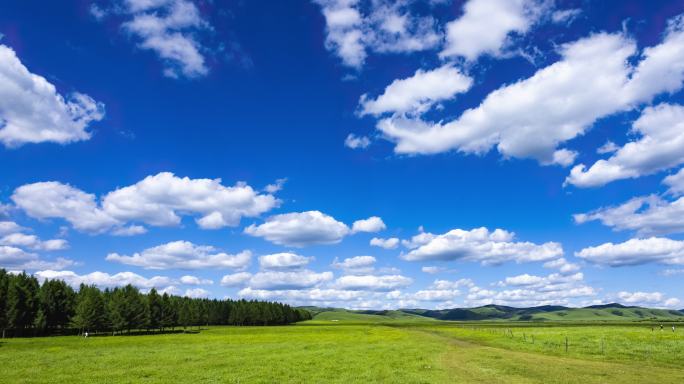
(169, 28)
(659, 147)
(646, 215)
(288, 280)
(447, 284)
(528, 290)
(352, 141)
(7, 227)
(432, 269)
(299, 229)
(486, 25)
(105, 280)
(390, 243)
(565, 16)
(354, 28)
(52, 199)
(235, 279)
(306, 296)
(562, 265)
(509, 116)
(481, 245)
(183, 255)
(285, 260)
(675, 182)
(18, 259)
(33, 242)
(372, 282)
(648, 299)
(418, 93)
(196, 293)
(157, 200)
(635, 252)
(371, 224)
(356, 264)
(275, 187)
(194, 280)
(32, 111)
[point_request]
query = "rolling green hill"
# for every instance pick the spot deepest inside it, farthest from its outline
(602, 313)
(606, 312)
(346, 316)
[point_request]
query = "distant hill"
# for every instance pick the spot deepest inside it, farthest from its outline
(609, 312)
(344, 315)
(604, 312)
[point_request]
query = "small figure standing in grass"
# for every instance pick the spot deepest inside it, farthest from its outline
(661, 327)
(673, 328)
(86, 334)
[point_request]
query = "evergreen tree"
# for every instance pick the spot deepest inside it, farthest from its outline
(22, 301)
(57, 301)
(4, 282)
(154, 305)
(127, 310)
(90, 314)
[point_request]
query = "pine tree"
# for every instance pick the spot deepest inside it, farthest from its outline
(90, 313)
(4, 281)
(57, 301)
(22, 301)
(154, 305)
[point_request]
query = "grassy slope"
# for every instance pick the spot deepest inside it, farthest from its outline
(422, 352)
(345, 316)
(604, 313)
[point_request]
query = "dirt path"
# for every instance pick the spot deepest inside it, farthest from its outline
(468, 362)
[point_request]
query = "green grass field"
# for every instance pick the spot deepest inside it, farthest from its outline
(357, 348)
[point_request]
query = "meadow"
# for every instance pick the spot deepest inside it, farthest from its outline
(357, 348)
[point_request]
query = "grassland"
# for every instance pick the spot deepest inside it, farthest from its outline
(357, 348)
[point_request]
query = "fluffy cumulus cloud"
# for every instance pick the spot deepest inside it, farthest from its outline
(196, 293)
(356, 142)
(508, 116)
(356, 264)
(194, 280)
(21, 251)
(299, 229)
(530, 290)
(285, 260)
(278, 280)
(562, 265)
(7, 227)
(157, 200)
(105, 280)
(418, 93)
(183, 255)
(675, 182)
(648, 299)
(235, 279)
(486, 26)
(33, 242)
(169, 28)
(14, 258)
(647, 215)
(660, 146)
(389, 243)
(372, 282)
(479, 245)
(371, 224)
(635, 252)
(32, 111)
(354, 28)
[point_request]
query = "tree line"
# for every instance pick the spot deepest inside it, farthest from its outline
(28, 308)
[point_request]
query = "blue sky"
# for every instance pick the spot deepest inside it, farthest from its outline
(512, 152)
